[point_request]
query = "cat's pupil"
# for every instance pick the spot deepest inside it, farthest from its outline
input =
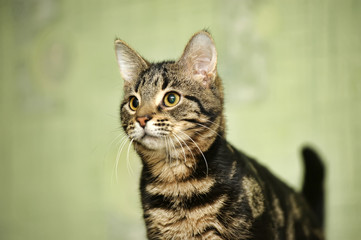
(171, 98)
(135, 102)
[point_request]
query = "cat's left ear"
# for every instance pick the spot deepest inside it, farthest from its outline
(199, 59)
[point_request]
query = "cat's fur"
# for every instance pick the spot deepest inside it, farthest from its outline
(194, 184)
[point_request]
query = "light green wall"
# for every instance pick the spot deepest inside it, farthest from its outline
(291, 70)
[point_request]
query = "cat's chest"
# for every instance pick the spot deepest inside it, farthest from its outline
(180, 210)
(182, 223)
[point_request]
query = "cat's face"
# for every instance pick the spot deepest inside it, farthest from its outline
(171, 105)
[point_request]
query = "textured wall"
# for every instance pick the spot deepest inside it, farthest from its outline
(292, 74)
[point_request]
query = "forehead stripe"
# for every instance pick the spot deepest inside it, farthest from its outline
(137, 84)
(165, 81)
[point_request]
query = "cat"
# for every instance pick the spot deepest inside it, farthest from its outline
(194, 184)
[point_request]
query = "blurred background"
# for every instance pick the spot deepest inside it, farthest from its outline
(291, 71)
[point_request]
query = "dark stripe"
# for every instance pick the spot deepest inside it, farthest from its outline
(197, 200)
(165, 81)
(137, 84)
(209, 229)
(196, 100)
(198, 124)
(196, 121)
(122, 105)
(142, 82)
(141, 79)
(191, 120)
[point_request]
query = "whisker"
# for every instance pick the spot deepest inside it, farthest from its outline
(207, 120)
(204, 120)
(117, 129)
(184, 153)
(122, 143)
(185, 144)
(202, 125)
(129, 166)
(169, 149)
(171, 141)
(121, 134)
(205, 160)
(165, 138)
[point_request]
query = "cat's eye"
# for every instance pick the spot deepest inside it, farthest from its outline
(171, 99)
(133, 103)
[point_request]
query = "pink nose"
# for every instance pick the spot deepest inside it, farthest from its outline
(143, 120)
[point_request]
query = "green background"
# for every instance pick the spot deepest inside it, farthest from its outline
(291, 71)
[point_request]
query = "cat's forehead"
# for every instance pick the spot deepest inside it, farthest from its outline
(157, 77)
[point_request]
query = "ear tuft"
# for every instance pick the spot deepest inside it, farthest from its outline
(130, 63)
(199, 58)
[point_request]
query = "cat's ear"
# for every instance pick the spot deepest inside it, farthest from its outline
(199, 59)
(130, 63)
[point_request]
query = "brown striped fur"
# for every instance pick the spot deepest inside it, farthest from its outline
(194, 184)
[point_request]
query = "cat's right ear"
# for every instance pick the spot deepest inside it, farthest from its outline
(130, 63)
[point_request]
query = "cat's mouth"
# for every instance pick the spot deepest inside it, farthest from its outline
(151, 141)
(147, 133)
(150, 136)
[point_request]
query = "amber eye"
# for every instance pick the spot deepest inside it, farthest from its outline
(133, 103)
(171, 99)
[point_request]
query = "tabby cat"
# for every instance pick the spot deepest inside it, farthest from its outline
(194, 184)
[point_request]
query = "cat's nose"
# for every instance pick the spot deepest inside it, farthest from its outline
(143, 120)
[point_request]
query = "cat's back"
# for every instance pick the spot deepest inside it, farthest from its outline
(285, 211)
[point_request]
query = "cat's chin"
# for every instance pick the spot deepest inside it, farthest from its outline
(152, 143)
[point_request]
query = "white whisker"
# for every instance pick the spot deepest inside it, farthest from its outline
(171, 141)
(167, 154)
(205, 160)
(184, 144)
(122, 143)
(121, 134)
(207, 120)
(180, 144)
(202, 125)
(129, 166)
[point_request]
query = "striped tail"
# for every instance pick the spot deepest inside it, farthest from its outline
(313, 185)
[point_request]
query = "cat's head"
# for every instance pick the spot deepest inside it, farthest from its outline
(174, 104)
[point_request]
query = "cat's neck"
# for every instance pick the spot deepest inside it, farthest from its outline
(184, 164)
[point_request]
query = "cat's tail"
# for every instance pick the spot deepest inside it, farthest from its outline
(313, 185)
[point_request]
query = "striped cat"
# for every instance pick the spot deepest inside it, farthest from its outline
(194, 184)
